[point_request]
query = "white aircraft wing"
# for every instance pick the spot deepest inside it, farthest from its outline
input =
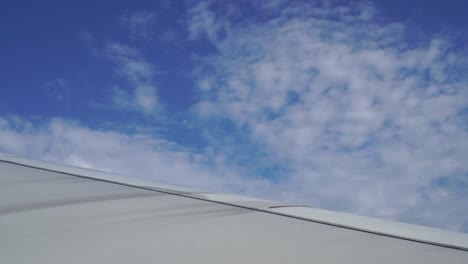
(52, 213)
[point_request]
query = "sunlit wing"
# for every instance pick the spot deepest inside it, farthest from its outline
(52, 213)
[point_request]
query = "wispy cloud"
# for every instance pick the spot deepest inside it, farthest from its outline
(364, 121)
(204, 23)
(140, 23)
(131, 66)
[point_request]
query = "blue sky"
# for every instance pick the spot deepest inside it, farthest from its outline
(358, 107)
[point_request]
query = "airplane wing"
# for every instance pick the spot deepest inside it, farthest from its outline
(53, 213)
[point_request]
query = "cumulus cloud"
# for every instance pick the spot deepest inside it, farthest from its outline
(131, 66)
(364, 121)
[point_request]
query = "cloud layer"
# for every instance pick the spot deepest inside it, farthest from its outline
(365, 122)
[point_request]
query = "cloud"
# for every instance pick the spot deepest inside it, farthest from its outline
(204, 23)
(139, 23)
(142, 156)
(131, 66)
(364, 121)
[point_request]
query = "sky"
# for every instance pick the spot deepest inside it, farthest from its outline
(353, 106)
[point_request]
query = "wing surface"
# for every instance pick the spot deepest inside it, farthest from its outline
(52, 213)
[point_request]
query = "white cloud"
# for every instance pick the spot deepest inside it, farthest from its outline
(139, 155)
(365, 122)
(203, 22)
(139, 73)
